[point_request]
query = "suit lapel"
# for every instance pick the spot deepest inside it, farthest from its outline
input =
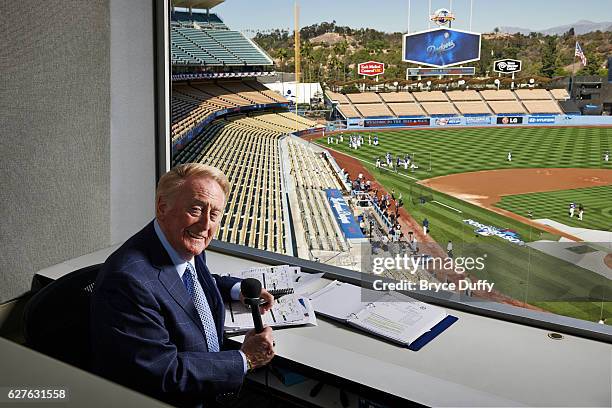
(169, 278)
(173, 284)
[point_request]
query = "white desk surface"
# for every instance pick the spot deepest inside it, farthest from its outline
(478, 361)
(24, 368)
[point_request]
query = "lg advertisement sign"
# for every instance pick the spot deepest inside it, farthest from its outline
(441, 47)
(507, 66)
(371, 68)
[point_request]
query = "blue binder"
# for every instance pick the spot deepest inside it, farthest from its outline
(432, 333)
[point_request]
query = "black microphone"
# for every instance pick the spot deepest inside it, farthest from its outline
(251, 290)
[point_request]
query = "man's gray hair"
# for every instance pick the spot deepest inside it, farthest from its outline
(170, 182)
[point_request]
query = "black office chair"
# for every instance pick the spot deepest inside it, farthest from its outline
(56, 318)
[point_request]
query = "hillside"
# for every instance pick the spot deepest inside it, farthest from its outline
(331, 52)
(580, 27)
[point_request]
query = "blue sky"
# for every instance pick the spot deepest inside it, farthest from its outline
(392, 15)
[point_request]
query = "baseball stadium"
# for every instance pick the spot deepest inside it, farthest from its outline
(461, 156)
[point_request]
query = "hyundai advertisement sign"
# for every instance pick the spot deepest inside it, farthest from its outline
(441, 47)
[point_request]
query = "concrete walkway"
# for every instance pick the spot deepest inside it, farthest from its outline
(587, 235)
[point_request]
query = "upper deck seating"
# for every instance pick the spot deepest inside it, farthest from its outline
(406, 109)
(532, 94)
(348, 111)
(501, 95)
(366, 97)
(503, 107)
(430, 96)
(467, 95)
(397, 97)
(560, 94)
(548, 106)
(439, 108)
(337, 97)
(373, 110)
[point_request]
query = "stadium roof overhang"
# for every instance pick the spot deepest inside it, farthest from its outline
(197, 4)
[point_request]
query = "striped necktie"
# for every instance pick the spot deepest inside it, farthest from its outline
(199, 300)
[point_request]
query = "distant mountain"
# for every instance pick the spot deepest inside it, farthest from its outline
(580, 27)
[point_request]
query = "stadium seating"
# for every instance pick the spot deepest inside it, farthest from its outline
(210, 20)
(189, 51)
(244, 91)
(506, 107)
(501, 95)
(560, 94)
(296, 118)
(312, 175)
(433, 96)
(467, 95)
(348, 111)
(191, 104)
(473, 108)
(240, 46)
(366, 97)
(397, 97)
(266, 91)
(337, 97)
(373, 110)
(439, 108)
(247, 150)
(548, 106)
(438, 103)
(406, 109)
(532, 94)
(196, 46)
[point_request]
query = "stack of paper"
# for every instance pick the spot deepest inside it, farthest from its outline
(291, 309)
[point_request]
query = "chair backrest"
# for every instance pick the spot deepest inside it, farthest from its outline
(56, 318)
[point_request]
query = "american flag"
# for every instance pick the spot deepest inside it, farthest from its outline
(579, 53)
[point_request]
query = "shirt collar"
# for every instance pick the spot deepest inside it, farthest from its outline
(179, 263)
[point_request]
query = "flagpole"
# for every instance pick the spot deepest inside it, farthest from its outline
(573, 68)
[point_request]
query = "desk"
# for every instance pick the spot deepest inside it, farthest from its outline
(25, 368)
(478, 361)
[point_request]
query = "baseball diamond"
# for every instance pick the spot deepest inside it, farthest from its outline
(518, 271)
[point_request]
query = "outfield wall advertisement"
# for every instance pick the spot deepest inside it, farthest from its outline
(397, 122)
(509, 120)
(452, 121)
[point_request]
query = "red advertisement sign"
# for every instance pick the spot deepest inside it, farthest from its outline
(371, 68)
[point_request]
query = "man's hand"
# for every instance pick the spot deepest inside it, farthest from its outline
(258, 347)
(267, 298)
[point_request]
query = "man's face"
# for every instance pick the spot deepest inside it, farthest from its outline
(190, 219)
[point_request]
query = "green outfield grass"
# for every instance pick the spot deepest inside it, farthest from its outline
(463, 150)
(554, 205)
(517, 271)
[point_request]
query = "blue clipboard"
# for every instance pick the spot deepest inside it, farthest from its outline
(432, 333)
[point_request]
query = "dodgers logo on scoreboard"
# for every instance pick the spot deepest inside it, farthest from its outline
(441, 47)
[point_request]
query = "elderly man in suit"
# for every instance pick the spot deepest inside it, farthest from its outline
(157, 311)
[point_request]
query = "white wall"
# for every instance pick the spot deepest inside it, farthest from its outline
(132, 121)
(77, 132)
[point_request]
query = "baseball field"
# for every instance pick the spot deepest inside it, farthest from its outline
(550, 167)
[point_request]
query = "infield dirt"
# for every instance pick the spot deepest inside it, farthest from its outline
(485, 188)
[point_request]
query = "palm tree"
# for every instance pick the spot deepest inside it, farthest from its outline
(282, 54)
(306, 51)
(340, 49)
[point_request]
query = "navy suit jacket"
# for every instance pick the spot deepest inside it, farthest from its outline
(146, 332)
